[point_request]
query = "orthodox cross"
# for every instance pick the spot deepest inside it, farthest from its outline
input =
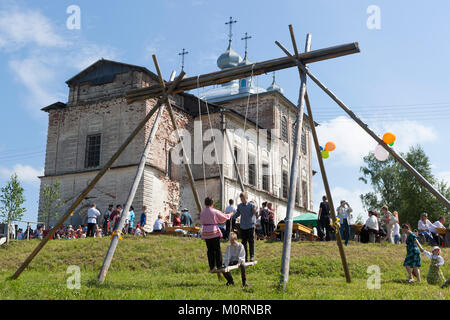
(230, 35)
(182, 54)
(245, 39)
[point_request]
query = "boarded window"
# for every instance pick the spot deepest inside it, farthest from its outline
(265, 177)
(297, 193)
(305, 194)
(169, 165)
(304, 142)
(284, 184)
(93, 144)
(251, 170)
(284, 130)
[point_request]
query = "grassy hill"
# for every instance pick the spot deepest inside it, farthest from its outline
(165, 267)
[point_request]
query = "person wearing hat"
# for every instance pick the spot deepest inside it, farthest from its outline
(435, 275)
(344, 215)
(186, 218)
(425, 228)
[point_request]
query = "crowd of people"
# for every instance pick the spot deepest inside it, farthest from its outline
(99, 225)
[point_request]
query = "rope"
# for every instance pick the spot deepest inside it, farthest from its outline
(201, 133)
(245, 122)
(214, 141)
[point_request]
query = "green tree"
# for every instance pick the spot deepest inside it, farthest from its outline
(11, 199)
(394, 186)
(50, 202)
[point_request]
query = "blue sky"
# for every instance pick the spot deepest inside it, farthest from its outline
(399, 82)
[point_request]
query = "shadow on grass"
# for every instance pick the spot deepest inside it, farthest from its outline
(93, 283)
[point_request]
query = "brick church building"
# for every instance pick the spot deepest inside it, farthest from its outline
(86, 131)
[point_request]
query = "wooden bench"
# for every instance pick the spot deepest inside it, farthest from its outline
(298, 229)
(229, 268)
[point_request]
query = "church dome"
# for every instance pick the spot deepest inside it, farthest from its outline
(229, 58)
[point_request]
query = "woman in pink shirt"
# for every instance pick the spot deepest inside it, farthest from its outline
(210, 219)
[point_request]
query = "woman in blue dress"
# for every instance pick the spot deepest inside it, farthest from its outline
(413, 248)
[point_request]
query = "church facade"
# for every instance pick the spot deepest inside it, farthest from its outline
(87, 130)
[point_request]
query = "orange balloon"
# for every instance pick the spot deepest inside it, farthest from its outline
(389, 137)
(330, 146)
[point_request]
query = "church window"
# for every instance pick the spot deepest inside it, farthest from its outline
(303, 142)
(284, 130)
(284, 184)
(251, 170)
(93, 144)
(265, 177)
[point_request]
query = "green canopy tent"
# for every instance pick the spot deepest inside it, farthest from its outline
(306, 219)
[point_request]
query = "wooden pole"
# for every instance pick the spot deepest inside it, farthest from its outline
(187, 167)
(285, 261)
(328, 191)
(125, 213)
(91, 185)
(255, 69)
(325, 180)
(366, 128)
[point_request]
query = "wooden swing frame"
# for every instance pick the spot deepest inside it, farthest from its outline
(181, 84)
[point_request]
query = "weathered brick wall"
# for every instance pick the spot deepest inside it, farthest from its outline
(114, 119)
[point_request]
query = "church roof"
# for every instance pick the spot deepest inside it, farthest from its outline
(103, 71)
(56, 105)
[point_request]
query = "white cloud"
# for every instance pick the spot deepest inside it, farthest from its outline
(154, 47)
(21, 27)
(36, 75)
(45, 55)
(88, 54)
(444, 175)
(353, 143)
(25, 173)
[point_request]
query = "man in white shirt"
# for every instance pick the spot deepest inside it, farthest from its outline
(93, 214)
(426, 228)
(372, 226)
(158, 225)
(344, 215)
(440, 225)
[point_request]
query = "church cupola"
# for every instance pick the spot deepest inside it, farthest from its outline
(229, 58)
(274, 86)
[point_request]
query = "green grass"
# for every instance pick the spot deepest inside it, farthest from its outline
(165, 267)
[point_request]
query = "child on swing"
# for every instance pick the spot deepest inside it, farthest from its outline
(435, 275)
(235, 255)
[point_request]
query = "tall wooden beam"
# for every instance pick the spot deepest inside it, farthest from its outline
(285, 260)
(239, 72)
(132, 193)
(366, 128)
(91, 185)
(323, 173)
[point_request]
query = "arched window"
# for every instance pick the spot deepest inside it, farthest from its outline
(284, 130)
